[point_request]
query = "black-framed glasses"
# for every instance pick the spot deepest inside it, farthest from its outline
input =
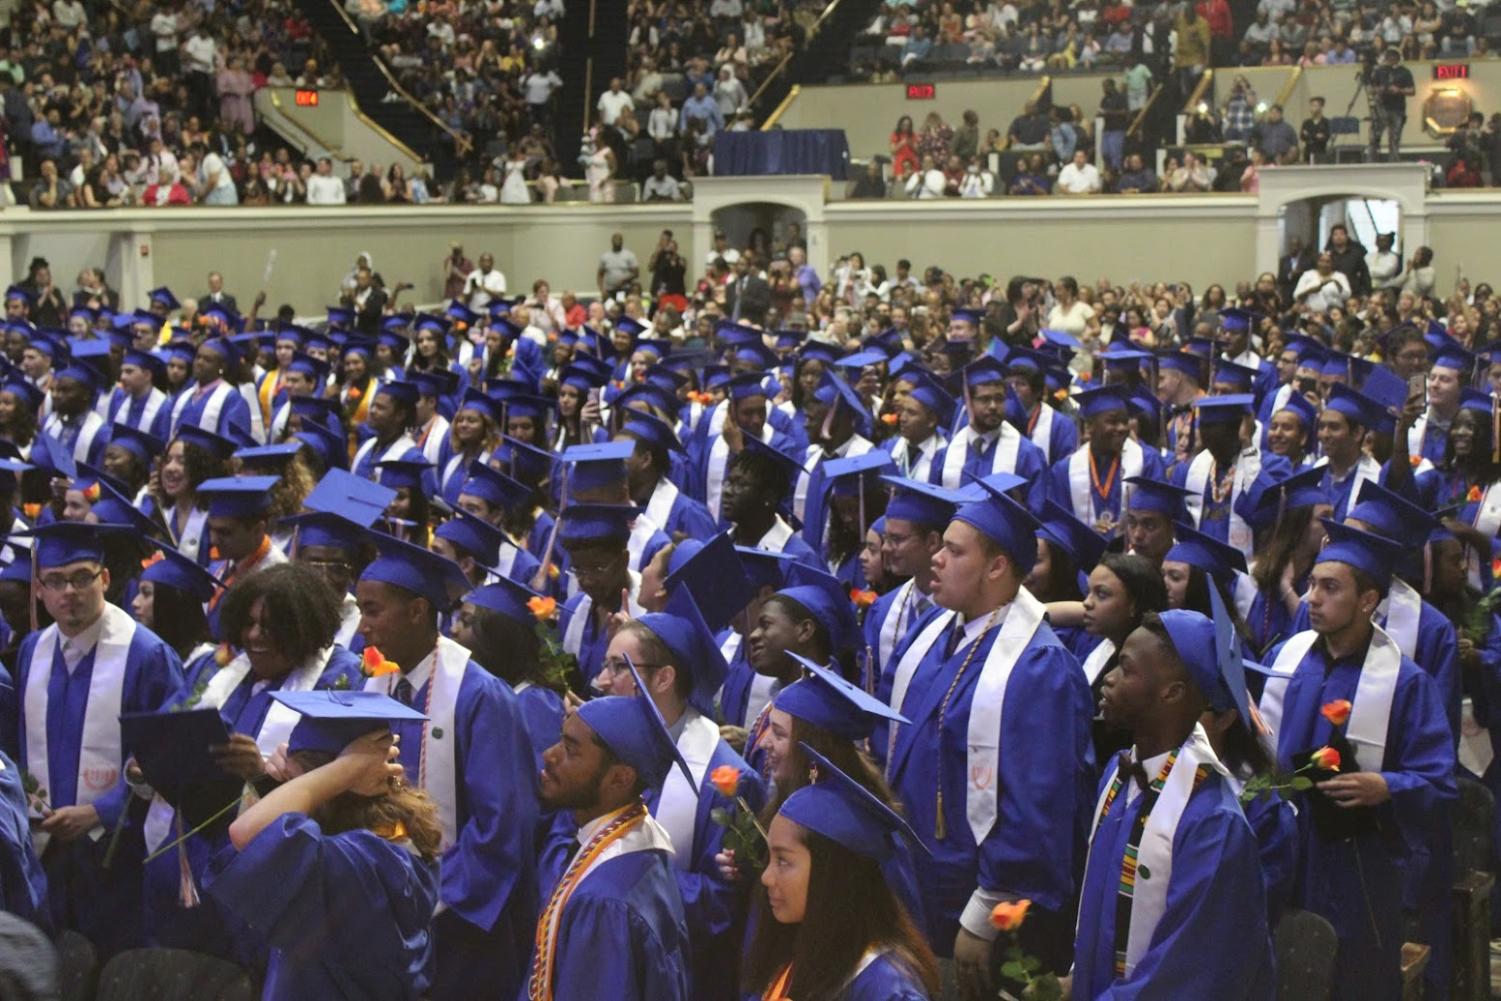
(77, 580)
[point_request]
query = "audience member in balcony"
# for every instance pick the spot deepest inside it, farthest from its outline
(613, 101)
(977, 182)
(1275, 138)
(51, 190)
(917, 47)
(168, 190)
(1136, 178)
(729, 93)
(702, 110)
(1315, 133)
(236, 90)
(662, 186)
(1349, 258)
(927, 182)
(323, 188)
(1240, 111)
(1322, 288)
(1029, 130)
(1420, 276)
(903, 145)
(1032, 179)
(1078, 177)
(662, 126)
(1192, 176)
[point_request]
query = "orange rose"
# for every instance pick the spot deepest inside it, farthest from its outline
(1325, 758)
(1008, 915)
(890, 419)
(1473, 496)
(155, 558)
(223, 654)
(1336, 712)
(542, 608)
(354, 393)
(863, 599)
(1416, 460)
(91, 493)
(1496, 567)
(726, 778)
(213, 552)
(373, 664)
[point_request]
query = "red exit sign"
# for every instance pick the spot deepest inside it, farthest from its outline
(306, 98)
(921, 92)
(1451, 71)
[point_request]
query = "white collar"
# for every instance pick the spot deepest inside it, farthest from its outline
(1151, 766)
(83, 642)
(419, 675)
(586, 833)
(972, 629)
(981, 439)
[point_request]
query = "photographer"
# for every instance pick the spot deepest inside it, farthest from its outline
(456, 269)
(1391, 85)
(668, 273)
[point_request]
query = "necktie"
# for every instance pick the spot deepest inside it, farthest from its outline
(404, 692)
(956, 633)
(1130, 769)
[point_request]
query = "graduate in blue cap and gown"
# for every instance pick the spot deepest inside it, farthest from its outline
(303, 377)
(1345, 684)
(136, 402)
(839, 427)
(500, 501)
(472, 756)
(470, 440)
(73, 421)
(595, 538)
(1348, 415)
(1090, 482)
(1469, 478)
(337, 866)
(1291, 431)
(1221, 472)
(662, 500)
(924, 413)
(713, 452)
(279, 628)
(393, 414)
(746, 693)
(756, 501)
(240, 529)
(1283, 509)
(598, 474)
(1000, 798)
(827, 922)
(210, 402)
(74, 680)
(1153, 508)
(612, 925)
(856, 498)
(1174, 903)
(681, 668)
(1450, 373)
(987, 443)
(1029, 409)
(23, 881)
(916, 516)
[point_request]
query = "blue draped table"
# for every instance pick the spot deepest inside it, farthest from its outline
(782, 151)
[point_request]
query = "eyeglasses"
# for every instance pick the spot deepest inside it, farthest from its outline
(614, 666)
(78, 580)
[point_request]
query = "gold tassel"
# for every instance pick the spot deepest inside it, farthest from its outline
(187, 892)
(940, 829)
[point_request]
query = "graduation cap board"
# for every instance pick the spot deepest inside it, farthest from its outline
(172, 750)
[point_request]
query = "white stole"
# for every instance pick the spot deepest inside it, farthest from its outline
(1154, 860)
(1372, 706)
(209, 420)
(776, 537)
(922, 462)
(677, 805)
(891, 626)
(718, 463)
(1398, 614)
(982, 799)
(1247, 467)
(1081, 490)
(642, 529)
(804, 479)
(906, 668)
(1097, 659)
(1002, 457)
(1042, 431)
(439, 736)
(349, 620)
(573, 636)
(1488, 522)
(659, 507)
(99, 752)
(87, 432)
(257, 423)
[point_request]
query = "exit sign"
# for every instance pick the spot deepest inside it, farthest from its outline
(921, 92)
(305, 98)
(1451, 71)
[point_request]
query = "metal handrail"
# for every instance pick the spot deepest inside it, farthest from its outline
(461, 143)
(1141, 116)
(777, 71)
(781, 109)
(311, 133)
(1287, 88)
(1198, 92)
(1043, 83)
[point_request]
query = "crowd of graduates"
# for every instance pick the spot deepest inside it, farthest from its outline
(461, 661)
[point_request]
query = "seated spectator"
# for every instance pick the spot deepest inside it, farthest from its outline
(323, 188)
(977, 182)
(1192, 176)
(918, 46)
(167, 190)
(1250, 178)
(51, 191)
(662, 186)
(870, 184)
(1078, 177)
(1033, 179)
(928, 182)
(1136, 178)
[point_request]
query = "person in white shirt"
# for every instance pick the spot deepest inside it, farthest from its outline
(442, 31)
(68, 14)
(1385, 267)
(661, 186)
(662, 123)
(323, 188)
(539, 88)
(613, 101)
(484, 284)
(977, 183)
(1322, 288)
(214, 181)
(926, 183)
(164, 30)
(1078, 176)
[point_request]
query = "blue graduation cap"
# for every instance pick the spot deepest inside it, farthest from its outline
(1193, 639)
(1219, 559)
(1355, 405)
(400, 390)
(238, 496)
(1201, 347)
(764, 568)
(507, 597)
(332, 719)
(826, 700)
(1453, 356)
(474, 536)
(1240, 378)
(1374, 555)
(1157, 496)
(843, 810)
(325, 410)
(405, 472)
(144, 360)
(494, 487)
(1279, 488)
(24, 391)
(1387, 513)
(849, 476)
(268, 456)
(225, 348)
(461, 315)
(325, 529)
(353, 497)
(658, 349)
(644, 392)
(832, 391)
(758, 354)
(583, 524)
(630, 325)
(339, 317)
(1229, 408)
(1101, 400)
(746, 385)
(173, 569)
(439, 382)
(927, 391)
(138, 443)
(651, 431)
(1004, 521)
(973, 316)
(1477, 400)
(820, 350)
(525, 462)
(1230, 693)
(51, 455)
(58, 543)
(682, 629)
(634, 731)
(527, 405)
(1385, 387)
(474, 400)
(18, 292)
(1298, 405)
(827, 601)
(1235, 319)
(597, 465)
(422, 572)
(921, 503)
(1082, 543)
(221, 316)
(983, 370)
(582, 376)
(788, 339)
(331, 447)
(888, 342)
(712, 573)
(1190, 365)
(860, 359)
(162, 296)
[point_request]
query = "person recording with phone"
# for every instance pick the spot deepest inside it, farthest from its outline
(1391, 84)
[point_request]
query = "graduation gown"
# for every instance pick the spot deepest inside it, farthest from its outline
(371, 452)
(1053, 431)
(86, 438)
(584, 636)
(1004, 451)
(488, 804)
(810, 500)
(674, 512)
(1274, 822)
(349, 916)
(542, 710)
(102, 904)
(1070, 486)
(622, 935)
(1341, 490)
(883, 977)
(23, 883)
(1359, 881)
(245, 710)
(217, 409)
(139, 412)
(1045, 777)
(1211, 939)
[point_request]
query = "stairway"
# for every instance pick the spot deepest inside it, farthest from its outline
(371, 88)
(588, 61)
(823, 55)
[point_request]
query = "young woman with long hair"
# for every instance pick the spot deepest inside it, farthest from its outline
(169, 599)
(1197, 562)
(191, 458)
(20, 402)
(1284, 515)
(357, 383)
(472, 436)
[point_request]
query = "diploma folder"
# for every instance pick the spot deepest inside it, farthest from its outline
(172, 750)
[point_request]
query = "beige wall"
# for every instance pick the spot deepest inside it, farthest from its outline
(333, 127)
